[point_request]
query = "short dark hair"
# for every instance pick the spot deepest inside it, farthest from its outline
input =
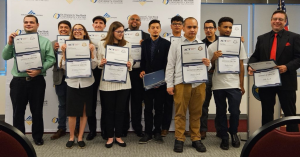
(36, 19)
(154, 21)
(281, 12)
(190, 18)
(100, 18)
(210, 21)
(225, 19)
(177, 18)
(65, 22)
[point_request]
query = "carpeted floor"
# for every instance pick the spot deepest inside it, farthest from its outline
(96, 148)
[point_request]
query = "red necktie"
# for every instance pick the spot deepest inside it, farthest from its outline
(274, 48)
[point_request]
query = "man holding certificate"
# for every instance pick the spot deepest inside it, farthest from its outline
(186, 95)
(154, 58)
(229, 84)
(29, 86)
(284, 48)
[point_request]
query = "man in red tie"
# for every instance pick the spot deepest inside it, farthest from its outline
(283, 47)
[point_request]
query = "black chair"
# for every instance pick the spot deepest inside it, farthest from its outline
(269, 141)
(13, 143)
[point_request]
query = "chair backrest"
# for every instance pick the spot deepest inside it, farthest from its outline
(13, 143)
(268, 141)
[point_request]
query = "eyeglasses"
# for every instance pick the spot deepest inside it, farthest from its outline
(208, 28)
(176, 24)
(135, 19)
(119, 32)
(78, 30)
(279, 19)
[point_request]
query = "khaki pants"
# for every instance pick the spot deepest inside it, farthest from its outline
(187, 97)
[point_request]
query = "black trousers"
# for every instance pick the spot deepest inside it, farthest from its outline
(287, 99)
(92, 121)
(167, 111)
(22, 92)
(136, 95)
(154, 98)
(114, 102)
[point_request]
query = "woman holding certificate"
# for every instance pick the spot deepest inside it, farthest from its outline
(78, 60)
(115, 60)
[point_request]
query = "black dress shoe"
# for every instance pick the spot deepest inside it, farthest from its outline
(91, 136)
(235, 141)
(158, 138)
(109, 145)
(178, 146)
(199, 146)
(120, 144)
(39, 142)
(225, 144)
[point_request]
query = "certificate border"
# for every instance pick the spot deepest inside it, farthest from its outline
(274, 85)
(96, 32)
(77, 40)
(193, 63)
(119, 47)
(57, 40)
(152, 85)
(229, 72)
(230, 37)
(79, 60)
(124, 82)
(27, 51)
(241, 29)
(263, 61)
(134, 31)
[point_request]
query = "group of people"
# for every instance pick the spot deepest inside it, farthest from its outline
(78, 96)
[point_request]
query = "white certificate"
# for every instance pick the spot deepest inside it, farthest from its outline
(59, 58)
(78, 68)
(134, 37)
(61, 40)
(26, 43)
(27, 61)
(194, 73)
(78, 49)
(174, 39)
(267, 78)
(193, 53)
(97, 36)
(229, 45)
(115, 73)
(236, 30)
(136, 53)
(263, 65)
(229, 64)
(117, 54)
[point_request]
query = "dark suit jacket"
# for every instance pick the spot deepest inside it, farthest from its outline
(144, 34)
(288, 53)
(160, 55)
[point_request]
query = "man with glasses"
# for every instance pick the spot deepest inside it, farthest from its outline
(283, 47)
(29, 86)
(137, 89)
(176, 27)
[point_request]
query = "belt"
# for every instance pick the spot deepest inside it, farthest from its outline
(28, 78)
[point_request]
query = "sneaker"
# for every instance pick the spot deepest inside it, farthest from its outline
(178, 146)
(81, 144)
(199, 146)
(158, 138)
(69, 144)
(164, 133)
(224, 144)
(145, 139)
(59, 133)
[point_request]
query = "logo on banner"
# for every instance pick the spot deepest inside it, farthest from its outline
(18, 31)
(69, 16)
(43, 32)
(128, 17)
(29, 120)
(31, 12)
(56, 16)
(69, 1)
(166, 34)
(165, 2)
(148, 18)
(142, 2)
(93, 1)
(54, 120)
(108, 17)
(107, 1)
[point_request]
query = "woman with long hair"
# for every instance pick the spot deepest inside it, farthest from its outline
(114, 94)
(79, 90)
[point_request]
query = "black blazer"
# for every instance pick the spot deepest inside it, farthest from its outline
(288, 53)
(144, 34)
(160, 55)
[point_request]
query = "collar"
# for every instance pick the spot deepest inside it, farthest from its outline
(206, 40)
(279, 34)
(184, 39)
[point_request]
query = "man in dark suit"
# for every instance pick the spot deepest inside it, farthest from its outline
(154, 57)
(284, 47)
(137, 90)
